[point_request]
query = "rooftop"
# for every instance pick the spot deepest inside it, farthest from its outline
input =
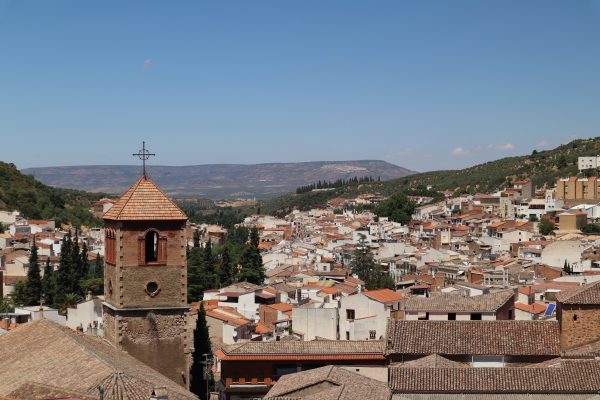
(518, 338)
(71, 360)
(315, 349)
(144, 201)
(329, 383)
(383, 295)
(581, 376)
(453, 302)
(586, 294)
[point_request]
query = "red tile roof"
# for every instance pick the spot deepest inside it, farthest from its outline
(522, 338)
(535, 308)
(383, 295)
(144, 201)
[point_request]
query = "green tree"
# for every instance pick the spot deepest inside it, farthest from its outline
(19, 295)
(567, 268)
(254, 237)
(196, 283)
(6, 305)
(546, 226)
(226, 269)
(364, 266)
(33, 287)
(196, 238)
(200, 373)
(66, 274)
(70, 301)
(397, 208)
(252, 269)
(49, 283)
(591, 229)
(1, 228)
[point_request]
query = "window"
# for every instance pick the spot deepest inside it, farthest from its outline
(152, 288)
(151, 241)
(110, 247)
(451, 316)
(510, 314)
(350, 314)
(574, 317)
(372, 334)
(347, 335)
(152, 248)
(476, 317)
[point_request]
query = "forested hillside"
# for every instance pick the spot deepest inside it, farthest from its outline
(544, 167)
(38, 201)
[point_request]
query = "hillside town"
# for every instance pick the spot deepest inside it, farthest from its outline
(476, 294)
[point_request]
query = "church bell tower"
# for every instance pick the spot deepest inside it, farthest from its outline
(145, 279)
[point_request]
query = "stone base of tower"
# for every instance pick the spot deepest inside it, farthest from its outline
(157, 337)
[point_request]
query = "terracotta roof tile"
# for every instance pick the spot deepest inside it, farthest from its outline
(383, 295)
(520, 338)
(71, 360)
(586, 294)
(329, 383)
(451, 302)
(581, 376)
(144, 201)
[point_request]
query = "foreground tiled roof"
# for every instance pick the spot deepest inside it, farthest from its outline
(492, 396)
(43, 352)
(452, 302)
(519, 338)
(586, 294)
(144, 201)
(328, 383)
(582, 376)
(315, 349)
(432, 361)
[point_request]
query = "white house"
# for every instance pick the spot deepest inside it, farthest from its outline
(315, 320)
(87, 316)
(364, 316)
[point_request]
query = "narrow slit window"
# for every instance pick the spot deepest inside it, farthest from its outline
(151, 247)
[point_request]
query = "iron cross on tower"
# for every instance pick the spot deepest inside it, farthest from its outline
(143, 155)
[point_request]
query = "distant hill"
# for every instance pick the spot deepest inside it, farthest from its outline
(544, 167)
(216, 181)
(38, 201)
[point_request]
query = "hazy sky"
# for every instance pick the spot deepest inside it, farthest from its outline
(423, 84)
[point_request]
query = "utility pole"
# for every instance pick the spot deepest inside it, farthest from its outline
(206, 370)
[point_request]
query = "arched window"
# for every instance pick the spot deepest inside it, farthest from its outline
(151, 246)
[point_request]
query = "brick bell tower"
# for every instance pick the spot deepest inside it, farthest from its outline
(145, 279)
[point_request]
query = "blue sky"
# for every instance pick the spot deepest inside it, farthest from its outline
(423, 84)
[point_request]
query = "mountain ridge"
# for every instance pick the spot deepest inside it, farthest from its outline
(215, 181)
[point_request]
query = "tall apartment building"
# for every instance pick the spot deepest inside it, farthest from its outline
(592, 162)
(575, 188)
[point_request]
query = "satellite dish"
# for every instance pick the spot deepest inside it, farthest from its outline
(235, 333)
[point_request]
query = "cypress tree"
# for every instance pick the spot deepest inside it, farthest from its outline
(198, 381)
(33, 287)
(48, 283)
(85, 263)
(254, 238)
(196, 239)
(76, 267)
(208, 265)
(252, 268)
(63, 275)
(226, 270)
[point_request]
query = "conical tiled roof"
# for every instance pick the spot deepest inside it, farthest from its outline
(144, 201)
